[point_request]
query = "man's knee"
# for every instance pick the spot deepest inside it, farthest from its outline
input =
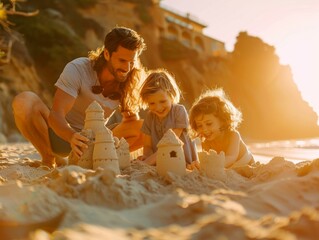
(24, 102)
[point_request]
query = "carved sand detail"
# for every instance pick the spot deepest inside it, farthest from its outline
(212, 164)
(101, 150)
(94, 117)
(123, 153)
(104, 153)
(170, 155)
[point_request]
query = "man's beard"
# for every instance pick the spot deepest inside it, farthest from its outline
(117, 77)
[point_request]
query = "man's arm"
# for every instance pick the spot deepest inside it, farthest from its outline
(129, 128)
(62, 104)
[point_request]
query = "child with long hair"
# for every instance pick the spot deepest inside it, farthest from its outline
(214, 119)
(160, 94)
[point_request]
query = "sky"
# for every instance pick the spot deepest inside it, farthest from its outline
(291, 26)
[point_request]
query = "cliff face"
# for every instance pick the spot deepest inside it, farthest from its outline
(252, 76)
(20, 75)
(258, 85)
(265, 91)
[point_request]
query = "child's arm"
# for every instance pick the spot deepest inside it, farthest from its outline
(151, 160)
(147, 146)
(232, 150)
(149, 156)
(178, 131)
(194, 164)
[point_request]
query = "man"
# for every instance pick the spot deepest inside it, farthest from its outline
(110, 75)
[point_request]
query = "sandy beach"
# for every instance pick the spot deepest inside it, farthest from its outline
(279, 201)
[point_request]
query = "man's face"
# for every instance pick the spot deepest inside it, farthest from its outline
(121, 62)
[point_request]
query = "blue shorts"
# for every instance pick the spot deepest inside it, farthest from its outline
(58, 145)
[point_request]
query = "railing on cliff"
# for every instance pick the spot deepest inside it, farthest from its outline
(186, 15)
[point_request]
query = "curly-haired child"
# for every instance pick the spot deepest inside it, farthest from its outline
(214, 119)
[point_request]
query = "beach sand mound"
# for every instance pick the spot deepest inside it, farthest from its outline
(279, 201)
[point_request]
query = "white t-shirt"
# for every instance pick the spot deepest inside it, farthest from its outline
(77, 79)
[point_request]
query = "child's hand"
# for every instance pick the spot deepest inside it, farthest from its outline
(193, 165)
(141, 158)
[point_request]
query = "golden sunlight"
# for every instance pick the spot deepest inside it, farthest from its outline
(3, 14)
(292, 27)
(301, 50)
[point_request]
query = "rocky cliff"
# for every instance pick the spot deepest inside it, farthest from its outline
(252, 75)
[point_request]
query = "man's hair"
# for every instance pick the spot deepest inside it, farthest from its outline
(125, 37)
(131, 40)
(118, 36)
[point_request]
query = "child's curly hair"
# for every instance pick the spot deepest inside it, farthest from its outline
(159, 79)
(217, 103)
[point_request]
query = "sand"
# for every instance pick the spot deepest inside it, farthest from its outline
(279, 201)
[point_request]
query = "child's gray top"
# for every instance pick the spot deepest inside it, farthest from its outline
(176, 118)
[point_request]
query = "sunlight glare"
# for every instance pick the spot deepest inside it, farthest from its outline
(301, 50)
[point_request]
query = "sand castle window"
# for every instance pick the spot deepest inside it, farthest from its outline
(173, 154)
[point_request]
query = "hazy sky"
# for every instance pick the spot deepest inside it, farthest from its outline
(291, 26)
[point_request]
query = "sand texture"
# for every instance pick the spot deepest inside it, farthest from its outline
(279, 201)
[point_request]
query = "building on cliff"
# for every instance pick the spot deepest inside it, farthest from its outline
(170, 24)
(188, 30)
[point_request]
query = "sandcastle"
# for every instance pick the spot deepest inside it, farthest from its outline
(123, 153)
(85, 160)
(103, 150)
(94, 117)
(212, 164)
(104, 153)
(170, 155)
(108, 152)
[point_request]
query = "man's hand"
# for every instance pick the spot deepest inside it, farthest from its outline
(78, 144)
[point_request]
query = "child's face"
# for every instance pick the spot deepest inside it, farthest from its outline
(208, 126)
(159, 103)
